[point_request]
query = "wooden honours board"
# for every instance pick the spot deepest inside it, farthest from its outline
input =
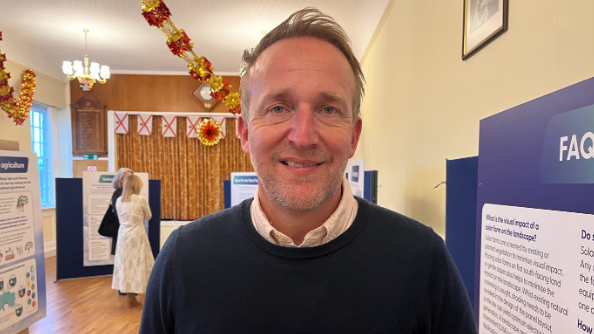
(89, 127)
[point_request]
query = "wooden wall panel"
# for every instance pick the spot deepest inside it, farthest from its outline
(89, 127)
(149, 93)
(132, 92)
(79, 166)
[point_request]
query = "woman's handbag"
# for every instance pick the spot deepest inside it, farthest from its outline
(109, 224)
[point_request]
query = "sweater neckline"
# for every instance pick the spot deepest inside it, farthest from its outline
(305, 252)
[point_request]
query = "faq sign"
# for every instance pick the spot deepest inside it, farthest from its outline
(568, 148)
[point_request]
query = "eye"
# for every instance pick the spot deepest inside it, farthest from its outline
(329, 110)
(277, 109)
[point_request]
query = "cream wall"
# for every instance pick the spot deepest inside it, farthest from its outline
(52, 94)
(48, 90)
(423, 103)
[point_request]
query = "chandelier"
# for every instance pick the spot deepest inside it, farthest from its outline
(87, 76)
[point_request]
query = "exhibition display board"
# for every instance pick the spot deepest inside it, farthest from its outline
(356, 176)
(69, 229)
(461, 217)
(243, 186)
(97, 192)
(535, 216)
(22, 262)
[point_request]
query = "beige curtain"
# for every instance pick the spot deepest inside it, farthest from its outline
(191, 174)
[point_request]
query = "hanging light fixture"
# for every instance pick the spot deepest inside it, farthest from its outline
(87, 76)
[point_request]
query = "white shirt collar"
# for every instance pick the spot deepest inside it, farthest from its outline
(335, 225)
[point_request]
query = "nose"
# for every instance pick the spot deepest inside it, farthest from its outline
(304, 132)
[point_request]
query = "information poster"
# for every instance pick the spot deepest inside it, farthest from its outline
(356, 175)
(536, 216)
(22, 263)
(243, 186)
(529, 282)
(97, 192)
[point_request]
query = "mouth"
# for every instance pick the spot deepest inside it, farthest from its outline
(299, 165)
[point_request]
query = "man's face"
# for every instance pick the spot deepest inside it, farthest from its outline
(300, 133)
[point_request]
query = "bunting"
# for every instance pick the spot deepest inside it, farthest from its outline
(145, 124)
(121, 122)
(193, 122)
(169, 126)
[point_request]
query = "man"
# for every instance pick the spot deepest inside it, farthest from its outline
(304, 256)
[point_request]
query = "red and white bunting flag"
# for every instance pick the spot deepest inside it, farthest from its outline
(145, 124)
(221, 120)
(193, 122)
(169, 127)
(121, 121)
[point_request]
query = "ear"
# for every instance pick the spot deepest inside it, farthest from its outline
(242, 128)
(356, 134)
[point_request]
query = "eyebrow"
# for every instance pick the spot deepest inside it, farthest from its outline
(333, 97)
(275, 94)
(281, 93)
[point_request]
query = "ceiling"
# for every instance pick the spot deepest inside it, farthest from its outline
(41, 34)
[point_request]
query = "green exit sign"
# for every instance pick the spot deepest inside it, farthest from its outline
(90, 157)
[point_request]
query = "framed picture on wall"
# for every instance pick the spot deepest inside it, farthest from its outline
(484, 20)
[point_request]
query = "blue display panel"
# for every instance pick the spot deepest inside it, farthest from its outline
(461, 217)
(535, 207)
(69, 229)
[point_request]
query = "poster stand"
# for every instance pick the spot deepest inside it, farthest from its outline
(461, 187)
(22, 327)
(534, 216)
(69, 228)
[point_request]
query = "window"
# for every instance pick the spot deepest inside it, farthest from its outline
(41, 142)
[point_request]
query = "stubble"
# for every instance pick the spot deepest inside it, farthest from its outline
(282, 190)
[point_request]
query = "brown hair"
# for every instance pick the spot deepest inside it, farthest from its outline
(132, 186)
(308, 22)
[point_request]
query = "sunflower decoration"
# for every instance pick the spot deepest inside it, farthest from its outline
(209, 132)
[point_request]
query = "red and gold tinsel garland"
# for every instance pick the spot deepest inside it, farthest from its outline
(209, 132)
(17, 110)
(158, 15)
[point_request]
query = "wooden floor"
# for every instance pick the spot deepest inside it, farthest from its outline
(85, 305)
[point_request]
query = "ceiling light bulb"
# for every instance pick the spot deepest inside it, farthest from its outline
(105, 72)
(67, 68)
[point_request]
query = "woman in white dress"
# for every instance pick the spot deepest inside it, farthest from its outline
(133, 259)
